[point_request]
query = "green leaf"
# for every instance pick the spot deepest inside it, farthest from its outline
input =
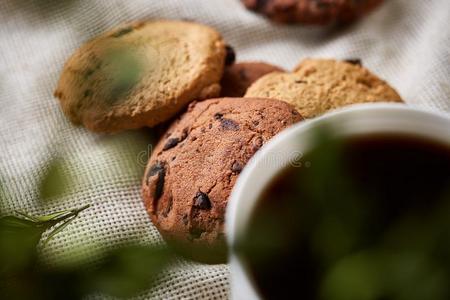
(60, 215)
(16, 222)
(41, 223)
(18, 241)
(58, 229)
(52, 217)
(56, 181)
(65, 216)
(130, 269)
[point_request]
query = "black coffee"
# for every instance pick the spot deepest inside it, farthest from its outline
(364, 218)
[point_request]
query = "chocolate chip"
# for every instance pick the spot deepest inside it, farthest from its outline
(139, 24)
(195, 233)
(354, 61)
(58, 94)
(185, 219)
(257, 143)
(122, 32)
(300, 81)
(98, 65)
(168, 207)
(172, 142)
(191, 105)
(230, 56)
(157, 169)
(228, 124)
(202, 201)
(88, 73)
(218, 116)
(184, 134)
(236, 167)
(288, 7)
(87, 93)
(364, 82)
(258, 5)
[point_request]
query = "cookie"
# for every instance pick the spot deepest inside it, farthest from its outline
(238, 77)
(194, 166)
(318, 85)
(313, 12)
(141, 74)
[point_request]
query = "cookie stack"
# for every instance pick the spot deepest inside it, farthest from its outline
(144, 74)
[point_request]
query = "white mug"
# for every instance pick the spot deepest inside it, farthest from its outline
(356, 120)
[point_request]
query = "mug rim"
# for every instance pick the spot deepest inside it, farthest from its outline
(410, 118)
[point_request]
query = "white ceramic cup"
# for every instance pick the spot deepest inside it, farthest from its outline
(282, 150)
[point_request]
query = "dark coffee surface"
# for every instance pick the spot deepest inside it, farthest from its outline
(366, 218)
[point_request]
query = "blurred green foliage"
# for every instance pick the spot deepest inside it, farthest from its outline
(123, 68)
(55, 182)
(19, 238)
(122, 272)
(129, 270)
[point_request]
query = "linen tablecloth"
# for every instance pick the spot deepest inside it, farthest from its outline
(406, 42)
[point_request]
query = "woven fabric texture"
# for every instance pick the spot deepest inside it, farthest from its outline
(405, 42)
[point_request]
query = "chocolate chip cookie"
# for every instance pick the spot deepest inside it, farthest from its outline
(194, 166)
(317, 12)
(141, 74)
(318, 85)
(239, 76)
